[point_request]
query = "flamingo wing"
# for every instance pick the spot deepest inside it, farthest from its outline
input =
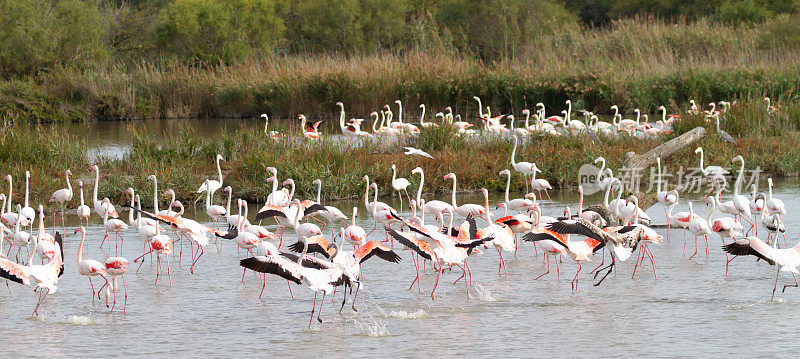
(14, 271)
(280, 267)
(745, 249)
(261, 215)
(316, 207)
(542, 234)
(421, 247)
(376, 248)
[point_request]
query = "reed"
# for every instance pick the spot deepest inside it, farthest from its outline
(183, 162)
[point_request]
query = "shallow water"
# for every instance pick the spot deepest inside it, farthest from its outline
(212, 313)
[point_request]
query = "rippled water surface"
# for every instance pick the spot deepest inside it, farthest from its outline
(691, 309)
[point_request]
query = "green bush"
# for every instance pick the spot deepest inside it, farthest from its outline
(36, 34)
(218, 30)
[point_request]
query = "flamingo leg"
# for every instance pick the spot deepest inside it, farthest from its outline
(574, 282)
(776, 284)
(695, 248)
(93, 292)
(125, 288)
(436, 283)
(290, 289)
(416, 266)
(548, 268)
(314, 308)
(191, 269)
(791, 285)
(602, 261)
(558, 269)
(319, 312)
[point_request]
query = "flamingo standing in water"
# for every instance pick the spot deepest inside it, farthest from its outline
(434, 206)
(45, 275)
(212, 185)
(216, 212)
(89, 267)
(83, 210)
(526, 168)
(116, 267)
(310, 130)
(160, 244)
(554, 244)
(27, 210)
(101, 207)
(274, 135)
(699, 227)
(113, 225)
(10, 218)
(400, 184)
(540, 184)
(465, 209)
(61, 196)
(787, 259)
(319, 275)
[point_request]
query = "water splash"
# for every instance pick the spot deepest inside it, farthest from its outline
(80, 320)
(482, 293)
(372, 328)
(418, 314)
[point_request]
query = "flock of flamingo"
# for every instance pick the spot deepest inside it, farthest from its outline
(316, 258)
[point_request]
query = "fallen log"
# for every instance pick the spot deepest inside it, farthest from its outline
(632, 160)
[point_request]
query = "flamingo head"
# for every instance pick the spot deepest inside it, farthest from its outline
(599, 159)
(8, 178)
(499, 205)
(737, 158)
(485, 191)
(397, 102)
(417, 170)
(301, 117)
(526, 112)
(448, 109)
(285, 183)
(264, 116)
(531, 196)
(365, 178)
(449, 176)
(316, 181)
(270, 179)
(79, 229)
(698, 150)
(339, 104)
(504, 172)
(80, 183)
(129, 190)
(69, 173)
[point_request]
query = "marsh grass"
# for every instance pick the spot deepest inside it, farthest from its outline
(771, 142)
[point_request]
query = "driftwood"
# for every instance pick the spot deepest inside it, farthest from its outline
(632, 160)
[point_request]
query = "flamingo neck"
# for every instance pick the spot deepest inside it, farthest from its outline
(738, 183)
(454, 192)
(658, 186)
(366, 192)
(514, 152)
(421, 183)
(422, 116)
(27, 179)
(228, 206)
(355, 213)
(319, 192)
(96, 183)
(508, 185)
(219, 173)
(130, 213)
(155, 195)
(80, 247)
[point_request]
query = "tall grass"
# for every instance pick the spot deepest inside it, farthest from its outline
(182, 163)
(641, 62)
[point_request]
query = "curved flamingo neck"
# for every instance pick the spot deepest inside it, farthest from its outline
(514, 152)
(219, 173)
(366, 192)
(319, 192)
(454, 192)
(737, 185)
(80, 246)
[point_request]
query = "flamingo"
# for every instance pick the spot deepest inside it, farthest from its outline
(407, 127)
(21, 238)
(232, 219)
(756, 204)
(553, 243)
(716, 173)
(213, 185)
(216, 212)
(502, 235)
(465, 209)
(699, 227)
(517, 204)
(160, 244)
(27, 210)
(400, 184)
(540, 184)
(434, 206)
(774, 205)
(116, 267)
(741, 203)
(666, 198)
(45, 275)
(317, 274)
(277, 198)
(310, 130)
(61, 196)
(101, 207)
(83, 210)
(113, 225)
(726, 227)
(274, 135)
(45, 242)
(526, 168)
(191, 229)
(89, 267)
(422, 122)
(8, 217)
(448, 250)
(353, 233)
(786, 259)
